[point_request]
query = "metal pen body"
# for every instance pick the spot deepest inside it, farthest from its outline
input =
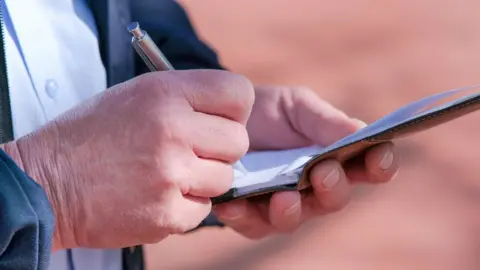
(148, 50)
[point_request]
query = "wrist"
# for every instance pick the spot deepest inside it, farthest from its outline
(36, 163)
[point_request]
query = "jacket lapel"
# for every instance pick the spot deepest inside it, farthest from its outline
(6, 126)
(112, 18)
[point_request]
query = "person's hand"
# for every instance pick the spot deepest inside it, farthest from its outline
(141, 160)
(284, 118)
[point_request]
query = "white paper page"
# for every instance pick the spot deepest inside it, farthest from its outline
(264, 166)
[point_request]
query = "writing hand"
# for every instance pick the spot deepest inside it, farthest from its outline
(141, 160)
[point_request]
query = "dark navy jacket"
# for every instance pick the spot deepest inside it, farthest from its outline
(167, 24)
(26, 218)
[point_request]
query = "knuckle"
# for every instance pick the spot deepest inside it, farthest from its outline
(155, 228)
(179, 224)
(155, 85)
(303, 89)
(169, 175)
(245, 90)
(178, 227)
(301, 92)
(162, 89)
(167, 128)
(244, 97)
(166, 221)
(170, 215)
(239, 89)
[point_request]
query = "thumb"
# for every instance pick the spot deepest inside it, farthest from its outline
(321, 122)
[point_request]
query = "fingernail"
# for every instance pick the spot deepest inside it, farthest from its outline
(292, 209)
(230, 212)
(387, 160)
(332, 179)
(361, 124)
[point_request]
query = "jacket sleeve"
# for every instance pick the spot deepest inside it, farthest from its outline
(26, 220)
(169, 26)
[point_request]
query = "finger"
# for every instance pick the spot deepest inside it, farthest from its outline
(330, 186)
(217, 138)
(220, 93)
(379, 164)
(244, 218)
(330, 124)
(187, 212)
(207, 178)
(285, 210)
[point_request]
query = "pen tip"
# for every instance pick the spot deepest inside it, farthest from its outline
(134, 28)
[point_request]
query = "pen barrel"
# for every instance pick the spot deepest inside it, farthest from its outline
(151, 54)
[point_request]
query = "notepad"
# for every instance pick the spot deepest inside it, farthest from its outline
(265, 172)
(263, 167)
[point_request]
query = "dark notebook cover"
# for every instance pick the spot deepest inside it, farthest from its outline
(288, 170)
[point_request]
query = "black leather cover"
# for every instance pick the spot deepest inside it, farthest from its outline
(408, 120)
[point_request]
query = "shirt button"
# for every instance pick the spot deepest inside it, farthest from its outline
(51, 88)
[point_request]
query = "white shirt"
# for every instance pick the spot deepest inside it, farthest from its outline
(53, 64)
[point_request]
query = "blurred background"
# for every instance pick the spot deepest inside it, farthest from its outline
(367, 57)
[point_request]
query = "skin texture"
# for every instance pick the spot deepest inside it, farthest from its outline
(140, 161)
(297, 117)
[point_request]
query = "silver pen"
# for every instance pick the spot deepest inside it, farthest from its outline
(147, 49)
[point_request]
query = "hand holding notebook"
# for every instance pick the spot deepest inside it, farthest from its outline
(295, 118)
(267, 172)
